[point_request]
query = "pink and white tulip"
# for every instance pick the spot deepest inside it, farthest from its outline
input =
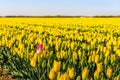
(40, 48)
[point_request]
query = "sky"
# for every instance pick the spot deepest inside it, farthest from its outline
(59, 7)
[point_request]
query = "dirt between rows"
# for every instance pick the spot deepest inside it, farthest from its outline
(5, 75)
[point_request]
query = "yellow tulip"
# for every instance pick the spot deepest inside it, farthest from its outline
(74, 56)
(118, 52)
(34, 60)
(78, 78)
(79, 53)
(56, 66)
(85, 73)
(99, 67)
(96, 58)
(71, 73)
(66, 76)
(90, 59)
(93, 58)
(109, 72)
(96, 75)
(107, 53)
(52, 74)
(58, 76)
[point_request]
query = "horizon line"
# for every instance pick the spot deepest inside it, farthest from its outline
(57, 15)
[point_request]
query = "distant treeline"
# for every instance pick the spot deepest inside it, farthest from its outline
(59, 16)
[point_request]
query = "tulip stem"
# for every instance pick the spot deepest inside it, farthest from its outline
(38, 65)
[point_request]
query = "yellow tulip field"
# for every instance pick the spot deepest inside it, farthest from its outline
(60, 48)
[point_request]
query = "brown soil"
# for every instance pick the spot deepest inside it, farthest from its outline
(5, 75)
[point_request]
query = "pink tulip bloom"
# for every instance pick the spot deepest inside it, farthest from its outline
(39, 48)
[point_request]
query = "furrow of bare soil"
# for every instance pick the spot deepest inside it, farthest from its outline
(5, 75)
